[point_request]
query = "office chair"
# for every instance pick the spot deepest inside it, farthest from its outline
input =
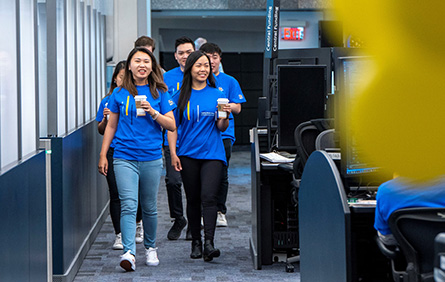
(439, 253)
(325, 140)
(305, 135)
(415, 230)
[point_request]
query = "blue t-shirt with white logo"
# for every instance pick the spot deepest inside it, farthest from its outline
(231, 88)
(138, 138)
(198, 136)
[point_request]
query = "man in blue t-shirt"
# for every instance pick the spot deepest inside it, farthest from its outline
(232, 90)
(400, 193)
(184, 46)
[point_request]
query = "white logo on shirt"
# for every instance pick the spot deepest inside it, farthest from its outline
(207, 114)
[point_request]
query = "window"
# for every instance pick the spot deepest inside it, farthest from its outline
(8, 84)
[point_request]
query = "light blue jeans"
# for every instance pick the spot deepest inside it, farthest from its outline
(138, 180)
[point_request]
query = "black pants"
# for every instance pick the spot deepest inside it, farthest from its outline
(201, 180)
(224, 187)
(173, 183)
(115, 203)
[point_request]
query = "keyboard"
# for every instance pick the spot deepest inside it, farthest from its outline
(275, 158)
(363, 203)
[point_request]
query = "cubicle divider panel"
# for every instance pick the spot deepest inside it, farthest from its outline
(79, 196)
(255, 239)
(23, 221)
(324, 218)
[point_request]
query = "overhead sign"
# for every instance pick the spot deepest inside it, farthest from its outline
(272, 28)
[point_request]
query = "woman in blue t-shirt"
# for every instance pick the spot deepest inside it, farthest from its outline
(200, 156)
(137, 152)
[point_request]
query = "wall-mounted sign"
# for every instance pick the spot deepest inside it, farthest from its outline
(292, 33)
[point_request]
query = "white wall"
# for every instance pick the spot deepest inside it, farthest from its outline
(125, 28)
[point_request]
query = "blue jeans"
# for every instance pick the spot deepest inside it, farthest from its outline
(135, 179)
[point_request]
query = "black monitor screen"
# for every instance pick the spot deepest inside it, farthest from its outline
(301, 97)
(352, 73)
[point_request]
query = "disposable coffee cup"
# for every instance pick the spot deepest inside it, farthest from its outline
(139, 110)
(221, 103)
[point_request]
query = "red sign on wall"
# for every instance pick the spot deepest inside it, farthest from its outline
(292, 33)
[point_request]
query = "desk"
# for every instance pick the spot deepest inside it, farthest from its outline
(271, 227)
(336, 240)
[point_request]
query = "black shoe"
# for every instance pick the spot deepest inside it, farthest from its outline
(196, 249)
(188, 234)
(209, 251)
(175, 232)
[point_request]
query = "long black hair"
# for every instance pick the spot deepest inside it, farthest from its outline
(120, 66)
(155, 79)
(186, 88)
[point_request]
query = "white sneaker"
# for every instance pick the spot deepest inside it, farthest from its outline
(139, 233)
(118, 242)
(128, 261)
(221, 220)
(152, 256)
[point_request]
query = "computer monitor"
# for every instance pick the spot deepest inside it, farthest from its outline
(301, 97)
(350, 73)
(311, 56)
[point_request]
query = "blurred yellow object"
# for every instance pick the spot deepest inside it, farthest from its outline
(398, 118)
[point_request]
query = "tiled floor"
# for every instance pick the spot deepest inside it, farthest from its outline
(235, 263)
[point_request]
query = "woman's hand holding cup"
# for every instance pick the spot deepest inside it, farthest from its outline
(224, 108)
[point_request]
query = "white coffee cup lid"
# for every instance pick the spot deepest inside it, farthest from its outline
(223, 100)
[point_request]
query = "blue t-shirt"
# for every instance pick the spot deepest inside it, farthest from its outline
(138, 138)
(100, 112)
(198, 136)
(173, 80)
(231, 88)
(102, 106)
(400, 193)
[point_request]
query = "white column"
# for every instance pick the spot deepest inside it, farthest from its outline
(125, 28)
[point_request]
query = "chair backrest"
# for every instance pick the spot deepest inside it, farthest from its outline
(325, 140)
(415, 230)
(305, 135)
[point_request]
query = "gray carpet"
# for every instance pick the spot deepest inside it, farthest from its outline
(234, 264)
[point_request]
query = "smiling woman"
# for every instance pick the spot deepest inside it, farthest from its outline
(200, 156)
(140, 67)
(137, 156)
(200, 71)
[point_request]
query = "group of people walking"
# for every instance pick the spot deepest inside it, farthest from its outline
(182, 103)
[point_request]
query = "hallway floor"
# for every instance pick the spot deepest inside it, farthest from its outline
(234, 264)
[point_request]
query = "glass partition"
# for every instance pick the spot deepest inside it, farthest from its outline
(9, 142)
